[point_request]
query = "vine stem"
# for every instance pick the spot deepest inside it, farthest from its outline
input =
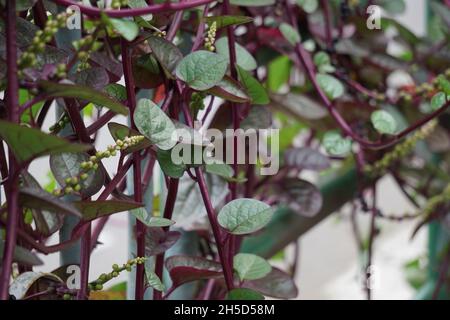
(12, 102)
(154, 9)
(140, 227)
(372, 234)
(227, 269)
(308, 66)
(168, 210)
(230, 246)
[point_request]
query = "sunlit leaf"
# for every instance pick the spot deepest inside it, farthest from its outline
(250, 266)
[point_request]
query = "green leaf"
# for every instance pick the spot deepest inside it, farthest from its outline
(309, 6)
(167, 54)
(154, 124)
(134, 4)
(321, 58)
(444, 84)
(46, 222)
(126, 28)
(167, 166)
(383, 122)
(243, 216)
(255, 90)
(335, 144)
(392, 6)
(116, 91)
(142, 215)
(243, 58)
(22, 255)
(332, 87)
(290, 34)
(91, 210)
(252, 3)
(225, 21)
(244, 294)
(230, 89)
(438, 101)
(279, 71)
(28, 143)
(68, 165)
(221, 169)
(202, 70)
(35, 198)
(120, 131)
(250, 267)
(63, 90)
(154, 281)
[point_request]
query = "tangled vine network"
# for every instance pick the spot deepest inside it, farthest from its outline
(346, 108)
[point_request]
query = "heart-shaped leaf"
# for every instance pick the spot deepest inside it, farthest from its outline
(46, 222)
(221, 169)
(250, 266)
(244, 294)
(91, 210)
(243, 216)
(438, 101)
(335, 144)
(301, 196)
(444, 84)
(64, 90)
(332, 87)
(167, 166)
(183, 269)
(202, 70)
(154, 124)
(68, 165)
(158, 241)
(142, 215)
(306, 158)
(255, 90)
(231, 90)
(34, 198)
(277, 284)
(126, 28)
(167, 54)
(243, 58)
(28, 143)
(290, 34)
(383, 122)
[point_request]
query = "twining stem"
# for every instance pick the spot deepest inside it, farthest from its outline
(12, 103)
(140, 227)
(172, 191)
(227, 268)
(308, 66)
(154, 9)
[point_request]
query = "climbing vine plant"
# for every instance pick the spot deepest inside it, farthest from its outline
(312, 69)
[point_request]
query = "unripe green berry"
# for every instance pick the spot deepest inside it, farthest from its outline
(98, 286)
(67, 296)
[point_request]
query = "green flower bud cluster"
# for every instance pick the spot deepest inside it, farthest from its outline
(160, 33)
(426, 89)
(401, 150)
(116, 4)
(197, 101)
(211, 37)
(58, 126)
(84, 47)
(28, 58)
(73, 183)
(97, 285)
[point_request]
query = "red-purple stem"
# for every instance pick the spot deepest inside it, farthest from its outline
(12, 103)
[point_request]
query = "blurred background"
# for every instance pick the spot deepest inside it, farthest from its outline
(328, 266)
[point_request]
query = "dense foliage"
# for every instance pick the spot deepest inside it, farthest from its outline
(310, 68)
